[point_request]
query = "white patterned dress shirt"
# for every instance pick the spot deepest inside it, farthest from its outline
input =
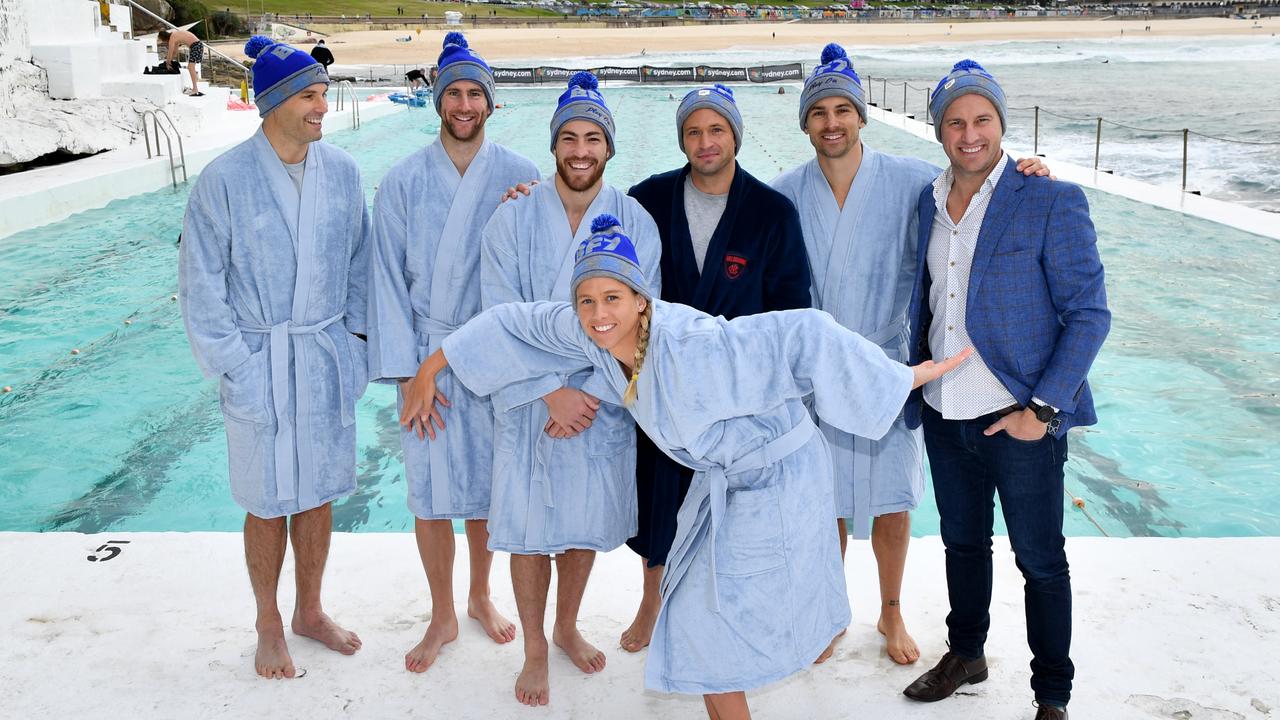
(970, 390)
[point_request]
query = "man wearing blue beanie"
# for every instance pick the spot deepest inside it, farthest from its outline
(995, 251)
(272, 278)
(564, 469)
(428, 216)
(731, 246)
(857, 211)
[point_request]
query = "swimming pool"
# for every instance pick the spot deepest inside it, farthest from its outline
(125, 435)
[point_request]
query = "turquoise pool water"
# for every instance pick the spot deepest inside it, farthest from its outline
(126, 435)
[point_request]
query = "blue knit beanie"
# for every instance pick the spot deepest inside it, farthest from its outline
(833, 78)
(582, 101)
(609, 253)
(965, 77)
(714, 97)
(458, 62)
(280, 72)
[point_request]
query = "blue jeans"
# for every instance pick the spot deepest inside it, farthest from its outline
(968, 469)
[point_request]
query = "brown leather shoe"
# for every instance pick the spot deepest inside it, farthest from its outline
(1051, 712)
(949, 674)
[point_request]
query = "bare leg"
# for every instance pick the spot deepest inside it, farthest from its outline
(195, 84)
(436, 548)
(479, 605)
(573, 567)
(727, 706)
(264, 544)
(890, 535)
(310, 532)
(636, 637)
(844, 536)
(831, 647)
(531, 578)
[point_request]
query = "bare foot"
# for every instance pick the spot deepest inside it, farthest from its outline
(831, 648)
(319, 626)
(900, 646)
(498, 627)
(439, 632)
(636, 637)
(582, 653)
(532, 687)
(272, 659)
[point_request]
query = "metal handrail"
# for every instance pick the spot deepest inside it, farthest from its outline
(180, 161)
(208, 48)
(345, 88)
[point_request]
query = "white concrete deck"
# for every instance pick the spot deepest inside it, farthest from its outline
(49, 194)
(1184, 629)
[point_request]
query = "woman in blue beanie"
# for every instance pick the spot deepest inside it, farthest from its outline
(754, 588)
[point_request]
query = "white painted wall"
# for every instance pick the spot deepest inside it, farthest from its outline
(61, 22)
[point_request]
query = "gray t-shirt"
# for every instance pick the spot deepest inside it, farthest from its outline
(703, 212)
(295, 174)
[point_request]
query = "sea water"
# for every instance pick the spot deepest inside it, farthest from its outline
(1225, 87)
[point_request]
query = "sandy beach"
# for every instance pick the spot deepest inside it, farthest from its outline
(362, 47)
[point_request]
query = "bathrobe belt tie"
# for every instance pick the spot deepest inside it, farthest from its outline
(441, 476)
(282, 338)
(715, 491)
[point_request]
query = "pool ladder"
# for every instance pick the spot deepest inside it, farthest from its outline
(346, 89)
(176, 162)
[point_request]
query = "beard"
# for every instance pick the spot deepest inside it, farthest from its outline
(476, 128)
(835, 152)
(567, 175)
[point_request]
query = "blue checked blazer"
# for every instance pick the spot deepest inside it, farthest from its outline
(1036, 305)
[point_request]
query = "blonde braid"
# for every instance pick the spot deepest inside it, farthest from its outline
(642, 346)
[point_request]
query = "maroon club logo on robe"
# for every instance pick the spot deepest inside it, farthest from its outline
(734, 266)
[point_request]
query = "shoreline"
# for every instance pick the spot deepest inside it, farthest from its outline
(374, 47)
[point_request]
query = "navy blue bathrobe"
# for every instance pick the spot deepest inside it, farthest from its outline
(756, 262)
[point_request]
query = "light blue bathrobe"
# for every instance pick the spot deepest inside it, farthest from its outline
(862, 258)
(763, 599)
(427, 222)
(272, 287)
(553, 495)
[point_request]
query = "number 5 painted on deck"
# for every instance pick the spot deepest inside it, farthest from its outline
(110, 548)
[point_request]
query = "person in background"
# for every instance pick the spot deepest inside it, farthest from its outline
(322, 54)
(174, 39)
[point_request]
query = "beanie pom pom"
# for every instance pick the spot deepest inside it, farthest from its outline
(833, 52)
(257, 44)
(584, 80)
(967, 65)
(604, 222)
(724, 89)
(455, 38)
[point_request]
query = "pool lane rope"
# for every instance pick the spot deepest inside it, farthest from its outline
(764, 149)
(1078, 501)
(9, 396)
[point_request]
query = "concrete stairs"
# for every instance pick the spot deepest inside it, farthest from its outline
(85, 58)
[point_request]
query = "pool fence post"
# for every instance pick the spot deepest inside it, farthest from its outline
(1036, 133)
(884, 84)
(904, 97)
(1184, 159)
(928, 106)
(1097, 144)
